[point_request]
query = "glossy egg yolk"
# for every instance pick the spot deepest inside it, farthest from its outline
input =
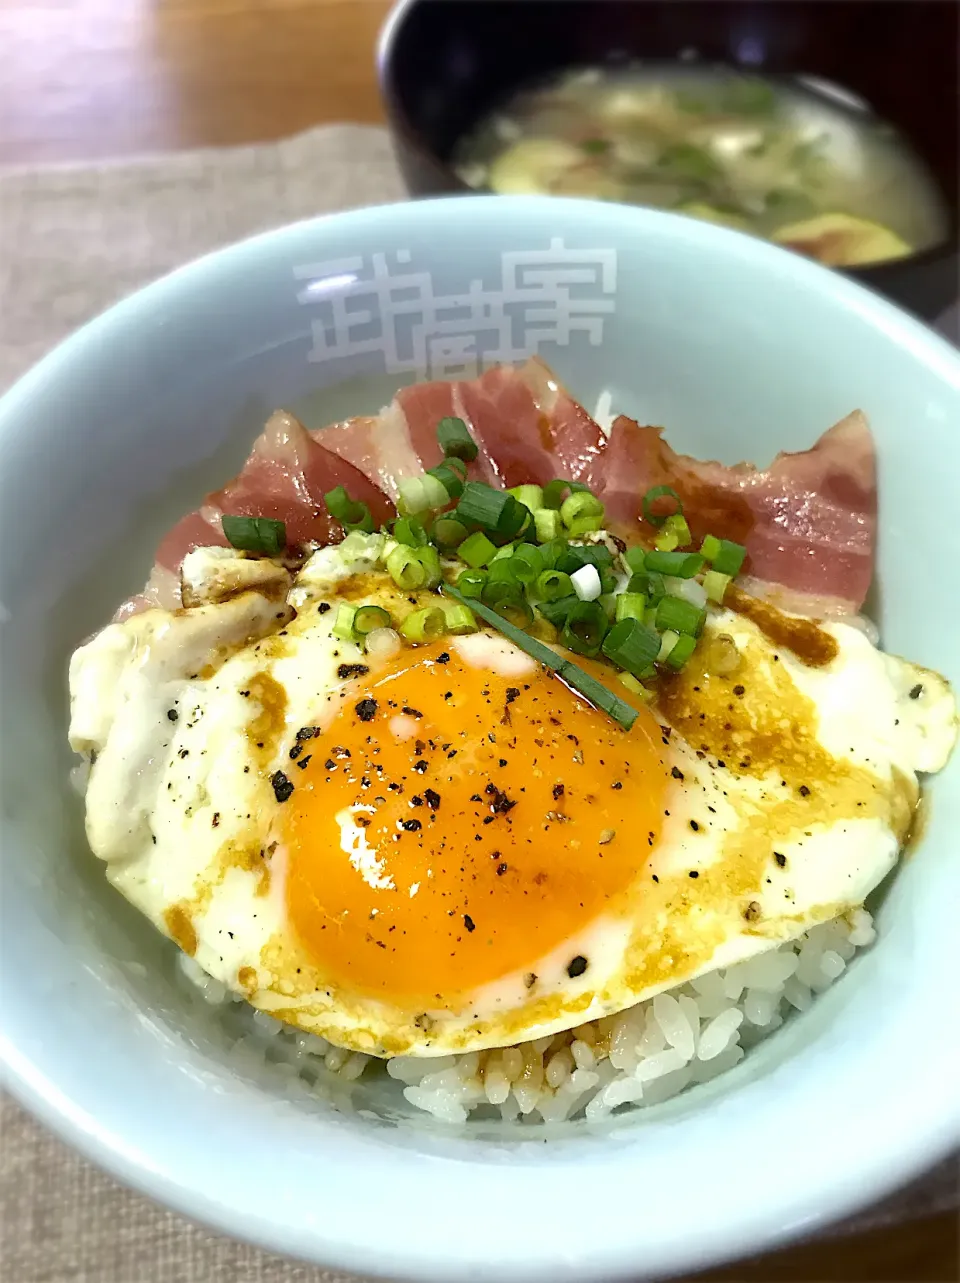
(454, 825)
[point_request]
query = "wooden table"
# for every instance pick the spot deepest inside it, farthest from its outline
(81, 79)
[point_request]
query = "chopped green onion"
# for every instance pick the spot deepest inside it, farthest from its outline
(343, 622)
(633, 686)
(405, 568)
(680, 652)
(551, 549)
(424, 625)
(368, 618)
(514, 609)
(650, 583)
(556, 611)
(725, 556)
(413, 496)
(553, 584)
(650, 616)
(530, 496)
(352, 515)
(460, 620)
(715, 585)
(609, 603)
(574, 556)
(514, 519)
(683, 565)
(581, 513)
(471, 582)
(631, 645)
(504, 553)
(667, 540)
(710, 547)
(527, 562)
(451, 481)
(584, 628)
(435, 491)
(429, 559)
(586, 583)
(410, 532)
(675, 614)
(651, 497)
(503, 594)
(608, 582)
(677, 524)
(547, 524)
(591, 689)
(730, 558)
(667, 643)
(691, 590)
(502, 570)
(255, 534)
(554, 491)
(481, 505)
(476, 550)
(501, 587)
(448, 533)
(630, 605)
(455, 439)
(635, 559)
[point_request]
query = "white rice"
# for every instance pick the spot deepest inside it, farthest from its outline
(640, 1057)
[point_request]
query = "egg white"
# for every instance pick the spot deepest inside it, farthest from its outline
(187, 715)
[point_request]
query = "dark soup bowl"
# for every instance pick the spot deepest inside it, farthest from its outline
(445, 65)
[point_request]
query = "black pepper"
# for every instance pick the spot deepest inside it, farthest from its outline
(411, 826)
(469, 923)
(352, 670)
(282, 788)
(366, 709)
(576, 966)
(432, 798)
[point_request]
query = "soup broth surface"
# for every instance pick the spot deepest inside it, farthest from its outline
(800, 162)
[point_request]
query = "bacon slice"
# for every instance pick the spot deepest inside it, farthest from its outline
(285, 478)
(808, 521)
(527, 427)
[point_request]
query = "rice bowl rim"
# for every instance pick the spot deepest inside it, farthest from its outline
(588, 1208)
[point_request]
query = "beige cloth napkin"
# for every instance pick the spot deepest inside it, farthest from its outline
(73, 240)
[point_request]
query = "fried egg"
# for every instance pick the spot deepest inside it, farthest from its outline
(450, 850)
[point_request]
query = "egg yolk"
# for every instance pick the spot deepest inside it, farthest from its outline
(453, 825)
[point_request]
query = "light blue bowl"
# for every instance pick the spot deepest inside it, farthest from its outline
(741, 350)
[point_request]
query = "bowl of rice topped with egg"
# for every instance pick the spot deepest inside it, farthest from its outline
(485, 729)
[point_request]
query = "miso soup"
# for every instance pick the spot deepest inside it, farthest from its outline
(799, 162)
